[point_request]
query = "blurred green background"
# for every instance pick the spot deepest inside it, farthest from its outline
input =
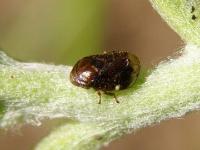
(51, 31)
(62, 31)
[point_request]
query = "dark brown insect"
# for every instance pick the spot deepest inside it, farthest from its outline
(106, 72)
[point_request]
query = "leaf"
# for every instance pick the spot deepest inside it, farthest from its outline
(183, 16)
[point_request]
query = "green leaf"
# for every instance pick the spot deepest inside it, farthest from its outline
(183, 16)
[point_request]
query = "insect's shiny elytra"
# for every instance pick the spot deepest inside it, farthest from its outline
(106, 72)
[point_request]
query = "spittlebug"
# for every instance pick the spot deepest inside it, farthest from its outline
(106, 72)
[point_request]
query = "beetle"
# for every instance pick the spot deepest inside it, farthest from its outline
(106, 72)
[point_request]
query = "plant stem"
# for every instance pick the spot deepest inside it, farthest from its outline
(30, 92)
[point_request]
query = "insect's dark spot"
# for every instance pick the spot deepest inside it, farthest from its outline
(192, 9)
(104, 72)
(194, 17)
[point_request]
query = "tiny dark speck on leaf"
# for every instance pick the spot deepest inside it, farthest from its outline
(12, 76)
(193, 9)
(194, 17)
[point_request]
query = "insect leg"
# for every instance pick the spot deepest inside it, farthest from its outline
(99, 93)
(112, 94)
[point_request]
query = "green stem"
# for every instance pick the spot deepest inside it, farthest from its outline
(170, 91)
(78, 136)
(30, 92)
